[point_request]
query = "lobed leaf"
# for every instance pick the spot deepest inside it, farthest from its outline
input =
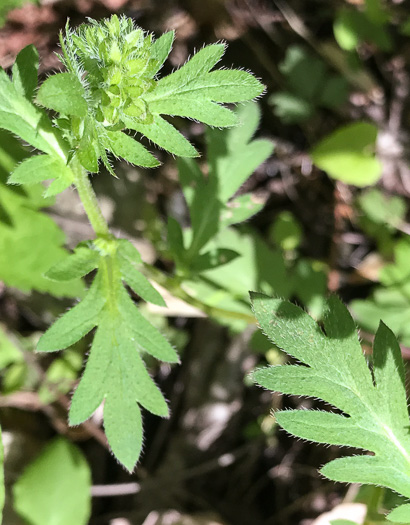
(375, 416)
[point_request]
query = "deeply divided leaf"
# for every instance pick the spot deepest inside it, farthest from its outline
(115, 372)
(334, 369)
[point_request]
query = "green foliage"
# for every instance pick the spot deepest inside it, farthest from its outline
(233, 155)
(115, 371)
(121, 90)
(347, 154)
(29, 240)
(334, 369)
(380, 217)
(286, 231)
(111, 85)
(12, 365)
(55, 487)
(390, 301)
(310, 86)
(353, 27)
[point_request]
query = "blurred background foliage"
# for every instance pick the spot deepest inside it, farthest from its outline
(309, 196)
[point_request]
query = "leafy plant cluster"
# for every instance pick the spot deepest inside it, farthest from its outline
(81, 122)
(109, 85)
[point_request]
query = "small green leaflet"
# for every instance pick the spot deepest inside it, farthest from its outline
(336, 371)
(115, 372)
(348, 154)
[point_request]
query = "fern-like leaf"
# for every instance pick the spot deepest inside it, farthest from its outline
(115, 371)
(373, 402)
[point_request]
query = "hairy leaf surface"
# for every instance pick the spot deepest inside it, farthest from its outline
(375, 416)
(115, 372)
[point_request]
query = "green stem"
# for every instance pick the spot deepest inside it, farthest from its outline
(100, 226)
(89, 200)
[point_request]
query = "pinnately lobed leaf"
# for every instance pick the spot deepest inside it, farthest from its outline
(115, 372)
(334, 369)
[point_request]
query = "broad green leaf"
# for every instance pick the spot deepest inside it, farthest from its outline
(240, 209)
(348, 154)
(22, 118)
(25, 71)
(9, 352)
(375, 416)
(60, 378)
(64, 181)
(352, 27)
(55, 487)
(389, 301)
(76, 323)
(310, 84)
(29, 244)
(165, 136)
(291, 108)
(39, 168)
(131, 150)
(63, 93)
(286, 231)
(204, 211)
(190, 175)
(400, 514)
(83, 261)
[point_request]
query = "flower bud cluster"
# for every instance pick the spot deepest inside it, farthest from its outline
(114, 60)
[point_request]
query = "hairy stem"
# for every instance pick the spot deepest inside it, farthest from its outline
(89, 199)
